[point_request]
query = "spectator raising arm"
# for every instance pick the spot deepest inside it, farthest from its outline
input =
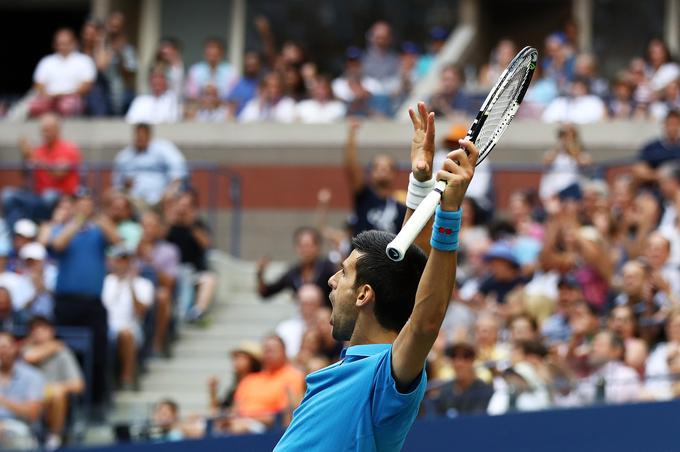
(353, 170)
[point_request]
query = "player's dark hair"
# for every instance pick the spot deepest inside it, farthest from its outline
(394, 283)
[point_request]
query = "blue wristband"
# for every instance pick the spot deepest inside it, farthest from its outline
(445, 229)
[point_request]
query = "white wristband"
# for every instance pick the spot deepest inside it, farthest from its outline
(417, 191)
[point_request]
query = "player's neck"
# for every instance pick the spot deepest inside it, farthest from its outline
(369, 331)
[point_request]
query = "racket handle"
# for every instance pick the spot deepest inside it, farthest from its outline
(397, 247)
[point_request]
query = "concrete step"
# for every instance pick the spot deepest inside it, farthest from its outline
(238, 314)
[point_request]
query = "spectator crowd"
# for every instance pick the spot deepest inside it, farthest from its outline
(570, 297)
(94, 75)
(126, 274)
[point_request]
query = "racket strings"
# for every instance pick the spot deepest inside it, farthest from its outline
(502, 110)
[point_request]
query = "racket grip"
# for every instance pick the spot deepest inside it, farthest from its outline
(397, 247)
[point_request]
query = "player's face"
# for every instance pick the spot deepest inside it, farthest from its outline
(343, 298)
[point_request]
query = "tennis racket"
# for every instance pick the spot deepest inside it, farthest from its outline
(498, 109)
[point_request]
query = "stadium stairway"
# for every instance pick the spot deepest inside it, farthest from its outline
(237, 314)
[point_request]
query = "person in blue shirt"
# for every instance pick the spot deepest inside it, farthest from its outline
(79, 248)
(663, 150)
(246, 87)
(390, 312)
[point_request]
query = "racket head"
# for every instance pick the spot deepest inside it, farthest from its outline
(502, 102)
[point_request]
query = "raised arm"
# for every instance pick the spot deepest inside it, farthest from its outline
(355, 174)
(415, 340)
(422, 155)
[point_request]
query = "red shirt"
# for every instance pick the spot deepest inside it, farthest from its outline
(56, 167)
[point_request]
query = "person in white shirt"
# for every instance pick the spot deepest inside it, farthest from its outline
(579, 107)
(659, 381)
(126, 298)
(322, 107)
(270, 104)
(161, 106)
(210, 108)
(665, 276)
(62, 78)
(310, 300)
(564, 162)
(148, 167)
(660, 70)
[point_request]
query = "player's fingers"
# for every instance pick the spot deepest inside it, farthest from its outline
(451, 167)
(414, 119)
(429, 134)
(459, 156)
(423, 113)
(449, 177)
(471, 151)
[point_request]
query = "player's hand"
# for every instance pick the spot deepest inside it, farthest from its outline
(422, 145)
(457, 172)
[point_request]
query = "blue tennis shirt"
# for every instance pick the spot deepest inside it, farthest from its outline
(354, 405)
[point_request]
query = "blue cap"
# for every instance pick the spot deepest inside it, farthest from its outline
(410, 47)
(353, 53)
(557, 36)
(502, 251)
(439, 33)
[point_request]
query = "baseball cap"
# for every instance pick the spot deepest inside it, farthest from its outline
(410, 47)
(26, 228)
(353, 53)
(34, 250)
(438, 33)
(502, 251)
(120, 251)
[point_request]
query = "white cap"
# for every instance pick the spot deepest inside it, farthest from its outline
(33, 250)
(26, 228)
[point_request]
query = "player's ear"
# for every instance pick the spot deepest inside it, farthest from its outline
(365, 295)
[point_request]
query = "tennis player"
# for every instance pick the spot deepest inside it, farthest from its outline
(390, 312)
